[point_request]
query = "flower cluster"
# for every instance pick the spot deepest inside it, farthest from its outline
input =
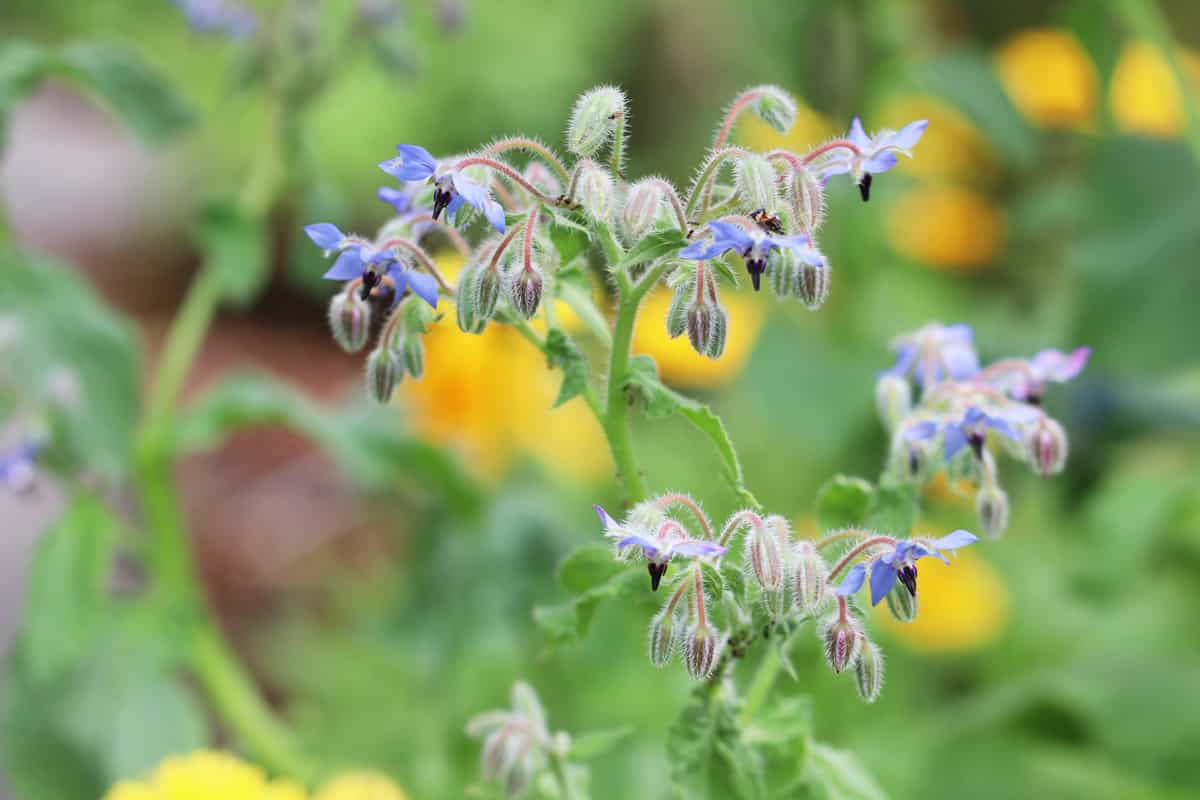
(517, 744)
(218, 18)
(963, 407)
(775, 582)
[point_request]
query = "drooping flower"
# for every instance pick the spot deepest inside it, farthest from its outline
(358, 258)
(900, 564)
(971, 429)
(451, 188)
(936, 352)
(218, 17)
(516, 742)
(875, 153)
(385, 261)
(669, 539)
(753, 247)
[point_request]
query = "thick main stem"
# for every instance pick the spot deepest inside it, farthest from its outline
(616, 414)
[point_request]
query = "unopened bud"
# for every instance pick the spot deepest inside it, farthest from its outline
(664, 635)
(807, 196)
(902, 603)
(1047, 447)
(764, 556)
(414, 356)
(706, 328)
(991, 504)
(810, 577)
(543, 178)
(642, 205)
(594, 119)
(466, 301)
(701, 648)
(350, 321)
(383, 372)
(893, 399)
(527, 291)
(756, 182)
(813, 285)
(487, 292)
(775, 107)
(677, 314)
(843, 642)
(782, 269)
(868, 672)
(596, 192)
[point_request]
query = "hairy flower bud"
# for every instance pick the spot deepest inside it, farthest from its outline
(813, 285)
(893, 399)
(664, 636)
(843, 641)
(466, 301)
(527, 291)
(764, 556)
(384, 370)
(543, 178)
(902, 603)
(487, 292)
(413, 354)
(810, 577)
(677, 314)
(642, 205)
(868, 672)
(596, 192)
(755, 179)
(594, 120)
(807, 197)
(1047, 447)
(701, 648)
(783, 272)
(706, 327)
(350, 321)
(991, 504)
(776, 108)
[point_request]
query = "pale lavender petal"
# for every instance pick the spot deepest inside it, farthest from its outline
(495, 215)
(1055, 365)
(953, 441)
(922, 430)
(857, 135)
(396, 198)
(1001, 427)
(703, 249)
(414, 163)
(608, 522)
(955, 540)
(696, 547)
(908, 136)
(880, 162)
(347, 267)
(883, 578)
(423, 286)
(325, 235)
(853, 580)
(731, 234)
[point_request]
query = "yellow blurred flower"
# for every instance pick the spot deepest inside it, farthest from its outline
(1049, 77)
(360, 786)
(490, 395)
(947, 227)
(962, 606)
(1144, 94)
(205, 775)
(951, 149)
(811, 128)
(678, 363)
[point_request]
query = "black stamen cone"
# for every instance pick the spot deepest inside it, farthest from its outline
(864, 187)
(756, 267)
(441, 199)
(656, 574)
(370, 279)
(976, 441)
(914, 462)
(908, 577)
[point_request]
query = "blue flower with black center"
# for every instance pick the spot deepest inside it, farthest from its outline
(935, 353)
(900, 564)
(876, 153)
(670, 539)
(359, 259)
(971, 430)
(752, 247)
(451, 188)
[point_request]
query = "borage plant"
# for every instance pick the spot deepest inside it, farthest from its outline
(535, 230)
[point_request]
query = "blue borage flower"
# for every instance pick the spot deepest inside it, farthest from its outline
(1026, 380)
(359, 258)
(900, 563)
(451, 189)
(874, 154)
(17, 466)
(218, 17)
(753, 247)
(934, 353)
(971, 430)
(668, 540)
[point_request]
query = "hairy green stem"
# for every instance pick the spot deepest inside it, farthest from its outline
(760, 686)
(558, 766)
(616, 415)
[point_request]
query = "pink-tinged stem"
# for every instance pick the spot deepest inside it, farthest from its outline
(703, 186)
(530, 229)
(740, 104)
(701, 611)
(505, 242)
(668, 500)
(456, 238)
(842, 610)
(836, 144)
(680, 591)
(735, 523)
(856, 551)
(508, 172)
(422, 256)
(673, 198)
(838, 536)
(533, 146)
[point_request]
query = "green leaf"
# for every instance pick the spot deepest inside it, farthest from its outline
(570, 234)
(564, 354)
(653, 246)
(589, 566)
(894, 509)
(64, 324)
(22, 64)
(569, 622)
(135, 91)
(69, 594)
(844, 502)
(838, 775)
(709, 756)
(655, 399)
(597, 743)
(235, 247)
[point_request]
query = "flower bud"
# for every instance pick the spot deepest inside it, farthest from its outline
(466, 301)
(487, 292)
(677, 314)
(664, 630)
(701, 648)
(764, 556)
(1047, 447)
(810, 576)
(893, 399)
(594, 119)
(414, 356)
(782, 270)
(991, 504)
(755, 179)
(642, 205)
(350, 321)
(596, 192)
(776, 108)
(527, 291)
(543, 178)
(902, 603)
(813, 285)
(843, 642)
(383, 372)
(807, 196)
(706, 328)
(868, 672)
